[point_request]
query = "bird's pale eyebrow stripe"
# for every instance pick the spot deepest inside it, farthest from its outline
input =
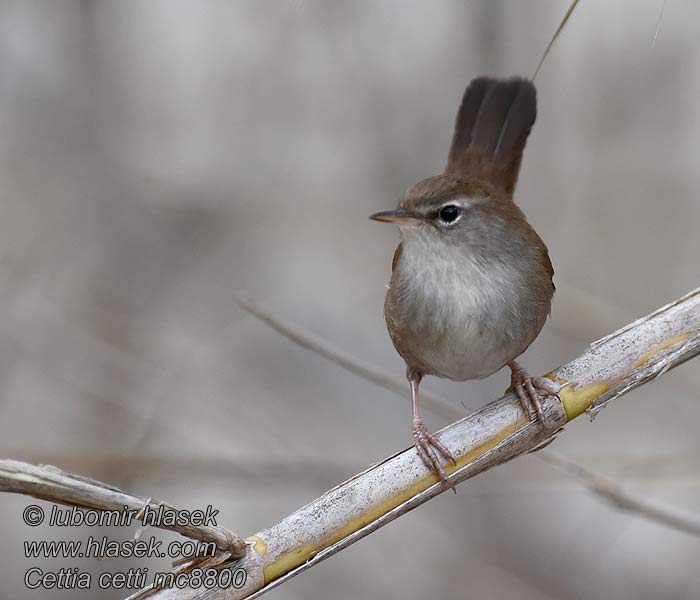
(465, 201)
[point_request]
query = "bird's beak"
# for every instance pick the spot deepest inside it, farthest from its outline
(400, 216)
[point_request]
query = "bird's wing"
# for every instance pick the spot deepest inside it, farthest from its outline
(397, 256)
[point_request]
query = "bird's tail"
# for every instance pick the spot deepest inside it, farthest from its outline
(492, 126)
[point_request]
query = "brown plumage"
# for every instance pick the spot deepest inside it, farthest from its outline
(492, 126)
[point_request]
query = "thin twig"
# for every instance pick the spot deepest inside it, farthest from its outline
(611, 491)
(658, 25)
(46, 482)
(347, 361)
(555, 36)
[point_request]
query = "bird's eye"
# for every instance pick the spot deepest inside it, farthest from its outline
(449, 213)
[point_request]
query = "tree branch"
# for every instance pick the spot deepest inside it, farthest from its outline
(498, 432)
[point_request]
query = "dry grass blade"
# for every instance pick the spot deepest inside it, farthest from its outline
(658, 24)
(555, 36)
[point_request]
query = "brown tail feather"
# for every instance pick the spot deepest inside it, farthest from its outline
(492, 126)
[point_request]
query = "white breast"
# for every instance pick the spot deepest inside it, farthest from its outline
(461, 311)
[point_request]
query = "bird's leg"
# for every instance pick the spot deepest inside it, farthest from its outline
(427, 445)
(526, 388)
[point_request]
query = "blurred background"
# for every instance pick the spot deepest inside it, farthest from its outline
(159, 158)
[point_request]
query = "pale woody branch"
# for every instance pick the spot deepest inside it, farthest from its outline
(492, 435)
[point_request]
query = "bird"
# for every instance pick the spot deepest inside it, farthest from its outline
(471, 283)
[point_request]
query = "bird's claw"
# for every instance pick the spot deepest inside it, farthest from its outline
(528, 390)
(429, 447)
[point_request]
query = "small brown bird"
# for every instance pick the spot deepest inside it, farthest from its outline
(471, 284)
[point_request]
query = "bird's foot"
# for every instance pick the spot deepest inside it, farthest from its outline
(528, 390)
(429, 448)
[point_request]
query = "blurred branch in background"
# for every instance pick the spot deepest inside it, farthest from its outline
(347, 361)
(46, 482)
(608, 489)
